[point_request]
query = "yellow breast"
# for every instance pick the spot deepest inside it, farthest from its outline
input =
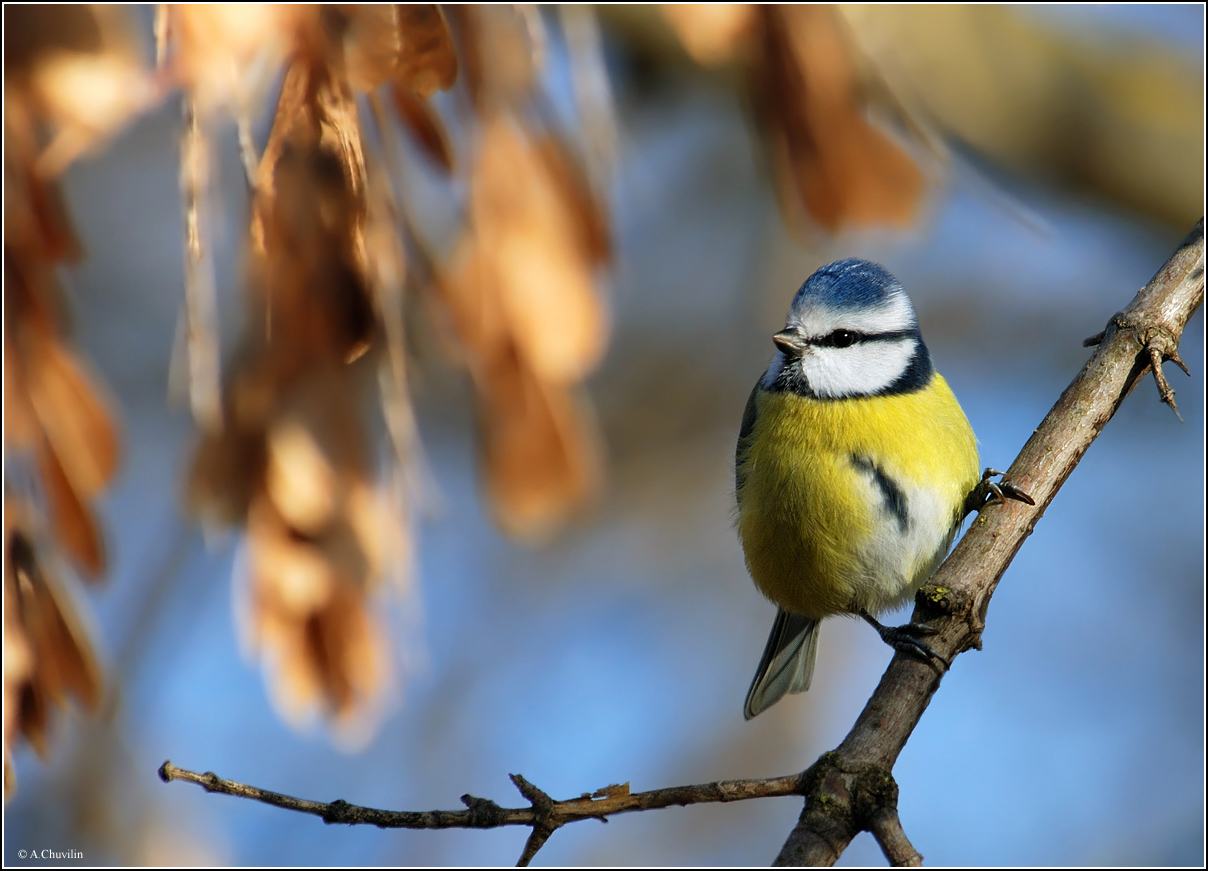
(852, 503)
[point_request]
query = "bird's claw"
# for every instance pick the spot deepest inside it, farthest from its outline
(987, 491)
(914, 630)
(1004, 489)
(905, 639)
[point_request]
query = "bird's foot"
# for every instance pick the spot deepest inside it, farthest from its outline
(908, 640)
(988, 491)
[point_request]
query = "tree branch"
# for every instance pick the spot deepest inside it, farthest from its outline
(844, 793)
(851, 789)
(545, 815)
(887, 829)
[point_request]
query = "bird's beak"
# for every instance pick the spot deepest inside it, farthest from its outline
(790, 342)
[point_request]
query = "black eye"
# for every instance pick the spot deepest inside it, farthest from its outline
(842, 338)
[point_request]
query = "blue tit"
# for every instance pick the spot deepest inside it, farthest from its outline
(853, 468)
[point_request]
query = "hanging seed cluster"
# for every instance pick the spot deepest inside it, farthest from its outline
(67, 84)
(287, 452)
(834, 168)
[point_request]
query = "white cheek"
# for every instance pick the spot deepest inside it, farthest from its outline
(864, 368)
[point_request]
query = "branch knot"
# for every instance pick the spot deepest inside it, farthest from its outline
(484, 813)
(338, 811)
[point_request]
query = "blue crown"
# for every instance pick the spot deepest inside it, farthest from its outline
(846, 284)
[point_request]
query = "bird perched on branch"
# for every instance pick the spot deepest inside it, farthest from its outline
(855, 466)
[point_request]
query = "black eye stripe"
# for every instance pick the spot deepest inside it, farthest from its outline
(847, 338)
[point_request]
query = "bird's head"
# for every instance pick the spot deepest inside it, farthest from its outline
(851, 331)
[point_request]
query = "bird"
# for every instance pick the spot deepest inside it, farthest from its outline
(854, 469)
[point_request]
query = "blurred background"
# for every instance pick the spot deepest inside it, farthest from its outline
(1062, 154)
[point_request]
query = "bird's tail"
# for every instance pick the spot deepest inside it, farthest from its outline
(787, 665)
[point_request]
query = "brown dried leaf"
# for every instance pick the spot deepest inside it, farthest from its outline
(539, 449)
(589, 216)
(33, 718)
(292, 576)
(18, 660)
(556, 318)
(497, 53)
(85, 79)
(322, 647)
(470, 292)
(309, 592)
(467, 20)
(424, 125)
(37, 228)
(535, 242)
(380, 535)
(409, 44)
(614, 790)
(228, 53)
(372, 43)
(21, 429)
(710, 32)
(427, 62)
(53, 409)
(56, 237)
(60, 660)
(296, 573)
(308, 222)
(96, 93)
(32, 30)
(341, 552)
(314, 449)
(227, 469)
(347, 648)
(73, 416)
(334, 660)
(833, 162)
(300, 479)
(69, 517)
(63, 660)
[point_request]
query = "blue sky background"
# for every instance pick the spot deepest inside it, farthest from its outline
(622, 652)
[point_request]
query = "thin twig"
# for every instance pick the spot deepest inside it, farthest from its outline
(480, 813)
(886, 827)
(543, 826)
(163, 31)
(387, 210)
(1164, 388)
(545, 814)
(247, 147)
(201, 306)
